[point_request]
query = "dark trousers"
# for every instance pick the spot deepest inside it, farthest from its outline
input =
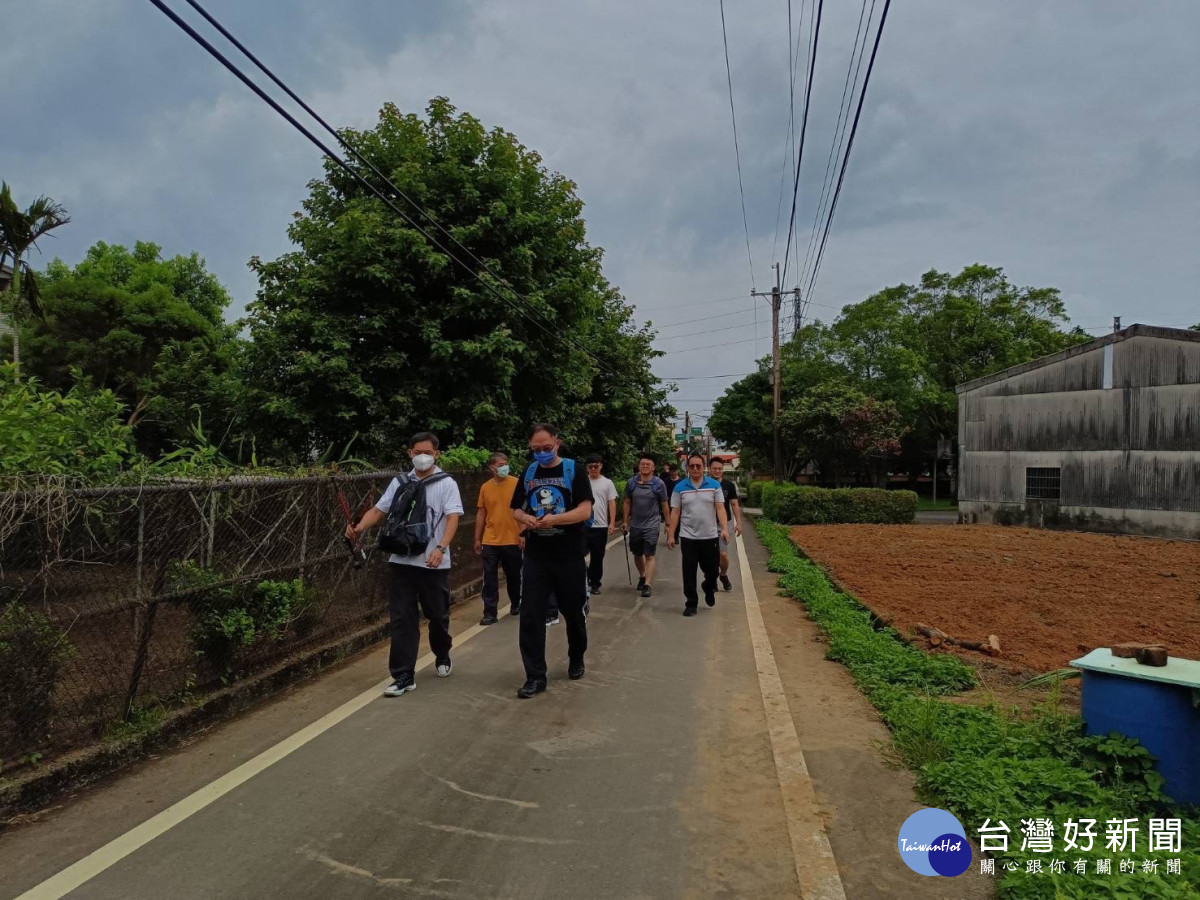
(508, 558)
(565, 579)
(414, 587)
(596, 540)
(707, 553)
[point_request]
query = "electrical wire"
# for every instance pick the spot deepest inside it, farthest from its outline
(790, 134)
(233, 69)
(812, 62)
(859, 50)
(736, 152)
(816, 271)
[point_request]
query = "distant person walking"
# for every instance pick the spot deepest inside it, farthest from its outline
(733, 513)
(644, 512)
(422, 526)
(604, 520)
(552, 501)
(498, 539)
(671, 476)
(698, 518)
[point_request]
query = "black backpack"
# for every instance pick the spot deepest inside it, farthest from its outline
(406, 529)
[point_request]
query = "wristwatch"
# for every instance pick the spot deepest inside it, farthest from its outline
(440, 547)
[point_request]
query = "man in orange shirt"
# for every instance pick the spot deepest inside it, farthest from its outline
(498, 539)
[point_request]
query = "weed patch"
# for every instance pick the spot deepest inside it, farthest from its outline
(987, 762)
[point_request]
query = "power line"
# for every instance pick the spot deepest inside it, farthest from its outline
(702, 377)
(812, 63)
(839, 130)
(849, 146)
(790, 134)
(736, 152)
(697, 303)
(706, 347)
(238, 73)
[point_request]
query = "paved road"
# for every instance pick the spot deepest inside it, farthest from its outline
(652, 777)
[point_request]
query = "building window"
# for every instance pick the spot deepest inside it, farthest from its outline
(1042, 484)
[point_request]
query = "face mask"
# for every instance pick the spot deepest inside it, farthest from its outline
(502, 471)
(422, 462)
(545, 458)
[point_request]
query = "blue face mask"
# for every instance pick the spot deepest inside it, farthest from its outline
(545, 458)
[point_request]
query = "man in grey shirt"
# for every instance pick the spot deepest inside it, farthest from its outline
(698, 518)
(644, 511)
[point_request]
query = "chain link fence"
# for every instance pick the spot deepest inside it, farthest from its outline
(118, 603)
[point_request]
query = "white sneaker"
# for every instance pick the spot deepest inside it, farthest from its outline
(443, 668)
(396, 688)
(551, 620)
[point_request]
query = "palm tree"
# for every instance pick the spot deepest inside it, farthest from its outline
(20, 230)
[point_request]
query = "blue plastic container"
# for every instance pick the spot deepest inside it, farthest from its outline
(1159, 706)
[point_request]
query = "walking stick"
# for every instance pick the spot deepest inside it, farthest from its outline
(628, 571)
(357, 554)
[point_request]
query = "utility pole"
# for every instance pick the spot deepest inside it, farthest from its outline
(776, 299)
(687, 432)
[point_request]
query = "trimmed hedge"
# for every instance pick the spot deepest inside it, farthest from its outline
(790, 504)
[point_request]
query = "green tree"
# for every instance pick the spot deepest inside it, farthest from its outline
(843, 430)
(147, 328)
(20, 230)
(367, 327)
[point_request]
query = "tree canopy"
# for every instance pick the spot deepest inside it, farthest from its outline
(150, 330)
(878, 383)
(369, 327)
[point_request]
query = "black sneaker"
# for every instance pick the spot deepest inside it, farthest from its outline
(515, 609)
(726, 583)
(596, 589)
(710, 599)
(645, 590)
(400, 686)
(575, 670)
(531, 688)
(587, 608)
(552, 620)
(689, 610)
(641, 585)
(488, 619)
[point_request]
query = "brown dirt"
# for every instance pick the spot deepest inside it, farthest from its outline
(1050, 596)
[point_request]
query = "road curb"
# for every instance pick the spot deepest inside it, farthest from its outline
(90, 765)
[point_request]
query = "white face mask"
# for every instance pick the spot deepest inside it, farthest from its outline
(423, 462)
(503, 471)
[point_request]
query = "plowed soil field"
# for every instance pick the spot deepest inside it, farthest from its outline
(1049, 596)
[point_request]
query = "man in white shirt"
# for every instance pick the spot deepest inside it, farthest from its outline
(604, 520)
(698, 518)
(421, 579)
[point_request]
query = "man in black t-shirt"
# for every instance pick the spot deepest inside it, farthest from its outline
(733, 513)
(552, 503)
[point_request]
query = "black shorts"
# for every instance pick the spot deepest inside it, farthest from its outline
(643, 543)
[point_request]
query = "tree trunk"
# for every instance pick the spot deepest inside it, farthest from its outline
(14, 294)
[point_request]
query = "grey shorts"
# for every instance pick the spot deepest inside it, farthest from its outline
(643, 543)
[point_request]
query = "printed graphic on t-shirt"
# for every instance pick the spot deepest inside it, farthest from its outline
(547, 497)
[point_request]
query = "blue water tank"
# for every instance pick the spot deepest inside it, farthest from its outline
(1159, 706)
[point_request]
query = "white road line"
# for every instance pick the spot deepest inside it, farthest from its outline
(114, 851)
(816, 868)
(117, 849)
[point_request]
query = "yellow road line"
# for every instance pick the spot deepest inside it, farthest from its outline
(816, 868)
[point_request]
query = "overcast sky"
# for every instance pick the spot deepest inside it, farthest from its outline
(1058, 140)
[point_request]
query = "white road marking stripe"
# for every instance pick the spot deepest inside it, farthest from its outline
(816, 868)
(117, 849)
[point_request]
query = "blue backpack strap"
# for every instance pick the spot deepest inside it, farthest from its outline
(529, 473)
(569, 472)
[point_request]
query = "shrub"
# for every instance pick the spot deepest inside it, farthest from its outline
(981, 761)
(32, 650)
(230, 618)
(800, 505)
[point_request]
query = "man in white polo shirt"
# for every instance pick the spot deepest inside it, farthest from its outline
(698, 518)
(421, 579)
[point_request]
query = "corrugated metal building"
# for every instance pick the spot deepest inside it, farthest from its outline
(1104, 436)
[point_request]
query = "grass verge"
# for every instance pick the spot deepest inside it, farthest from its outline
(986, 762)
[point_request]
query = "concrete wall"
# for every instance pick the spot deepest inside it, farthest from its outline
(1119, 416)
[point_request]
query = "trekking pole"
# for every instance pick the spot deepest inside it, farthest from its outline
(357, 554)
(628, 571)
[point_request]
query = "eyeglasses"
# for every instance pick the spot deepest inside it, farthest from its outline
(544, 448)
(696, 466)
(593, 465)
